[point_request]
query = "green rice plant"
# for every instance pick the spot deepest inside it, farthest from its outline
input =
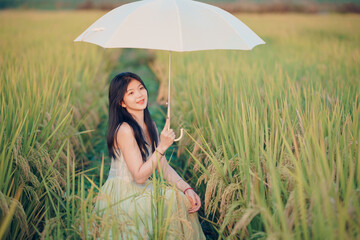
(77, 217)
(50, 95)
(273, 133)
(53, 94)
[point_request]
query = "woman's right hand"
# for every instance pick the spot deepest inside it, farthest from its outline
(194, 200)
(167, 137)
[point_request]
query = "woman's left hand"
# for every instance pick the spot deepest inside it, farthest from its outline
(194, 200)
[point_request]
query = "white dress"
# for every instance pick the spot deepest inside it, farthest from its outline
(130, 210)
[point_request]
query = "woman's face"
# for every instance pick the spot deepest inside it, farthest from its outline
(135, 98)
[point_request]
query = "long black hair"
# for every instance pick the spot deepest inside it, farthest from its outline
(118, 115)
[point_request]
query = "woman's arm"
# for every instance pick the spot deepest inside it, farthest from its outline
(169, 174)
(129, 148)
(172, 177)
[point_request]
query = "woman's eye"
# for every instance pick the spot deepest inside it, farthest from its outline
(131, 93)
(141, 88)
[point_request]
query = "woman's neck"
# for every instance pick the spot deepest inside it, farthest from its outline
(139, 118)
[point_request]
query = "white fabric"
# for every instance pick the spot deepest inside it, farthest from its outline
(174, 25)
(119, 169)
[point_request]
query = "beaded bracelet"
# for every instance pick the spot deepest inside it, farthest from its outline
(162, 154)
(188, 189)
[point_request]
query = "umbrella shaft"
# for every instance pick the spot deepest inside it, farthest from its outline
(168, 108)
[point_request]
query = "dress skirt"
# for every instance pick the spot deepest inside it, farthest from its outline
(129, 210)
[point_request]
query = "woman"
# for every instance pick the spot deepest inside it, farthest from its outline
(128, 194)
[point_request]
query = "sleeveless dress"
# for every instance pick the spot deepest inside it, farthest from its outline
(130, 210)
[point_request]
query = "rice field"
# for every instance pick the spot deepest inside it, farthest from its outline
(272, 134)
(52, 92)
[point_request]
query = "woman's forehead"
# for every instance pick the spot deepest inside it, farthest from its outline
(133, 84)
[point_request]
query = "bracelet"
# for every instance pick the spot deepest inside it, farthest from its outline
(188, 189)
(162, 154)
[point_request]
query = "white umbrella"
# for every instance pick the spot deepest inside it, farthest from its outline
(173, 25)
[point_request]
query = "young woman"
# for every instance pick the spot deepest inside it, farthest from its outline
(136, 151)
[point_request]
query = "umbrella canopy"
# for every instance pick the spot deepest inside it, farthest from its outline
(174, 25)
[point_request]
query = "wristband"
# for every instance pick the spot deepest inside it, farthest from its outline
(188, 189)
(162, 154)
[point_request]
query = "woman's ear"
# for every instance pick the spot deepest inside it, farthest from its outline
(122, 104)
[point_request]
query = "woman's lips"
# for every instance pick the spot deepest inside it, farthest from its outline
(141, 102)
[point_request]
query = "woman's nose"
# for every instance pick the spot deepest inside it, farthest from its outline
(139, 94)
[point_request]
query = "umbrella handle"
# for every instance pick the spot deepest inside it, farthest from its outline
(181, 135)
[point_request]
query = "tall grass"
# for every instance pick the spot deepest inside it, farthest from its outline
(51, 93)
(76, 217)
(273, 133)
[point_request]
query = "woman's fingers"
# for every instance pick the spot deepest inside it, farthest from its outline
(198, 202)
(196, 206)
(167, 137)
(191, 200)
(195, 202)
(168, 132)
(193, 207)
(167, 124)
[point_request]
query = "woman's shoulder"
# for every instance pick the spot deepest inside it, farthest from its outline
(125, 129)
(124, 134)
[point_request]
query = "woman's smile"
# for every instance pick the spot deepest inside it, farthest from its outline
(141, 102)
